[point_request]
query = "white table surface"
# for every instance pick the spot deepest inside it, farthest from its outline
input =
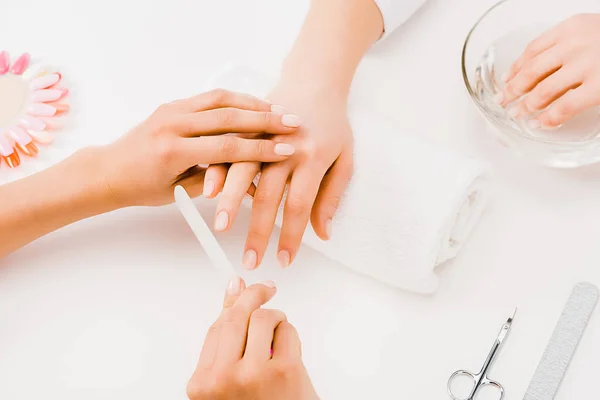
(116, 307)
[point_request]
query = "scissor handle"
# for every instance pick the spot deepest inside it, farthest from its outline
(462, 372)
(488, 382)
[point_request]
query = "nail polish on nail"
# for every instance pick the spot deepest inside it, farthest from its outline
(534, 124)
(12, 160)
(4, 63)
(290, 120)
(44, 82)
(283, 256)
(221, 221)
(269, 284)
(249, 260)
(41, 109)
(279, 110)
(209, 188)
(235, 286)
(284, 149)
(61, 108)
(30, 149)
(33, 123)
(20, 64)
(498, 98)
(512, 113)
(46, 95)
(19, 135)
(42, 137)
(328, 227)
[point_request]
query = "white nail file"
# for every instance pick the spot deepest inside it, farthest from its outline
(563, 343)
(203, 233)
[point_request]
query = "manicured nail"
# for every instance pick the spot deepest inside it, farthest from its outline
(269, 284)
(498, 98)
(41, 109)
(13, 160)
(209, 188)
(21, 64)
(290, 120)
(33, 123)
(6, 148)
(328, 227)
(221, 221)
(512, 112)
(30, 149)
(44, 82)
(249, 260)
(19, 135)
(235, 286)
(534, 124)
(283, 256)
(61, 108)
(279, 110)
(42, 137)
(284, 149)
(46, 95)
(4, 63)
(505, 77)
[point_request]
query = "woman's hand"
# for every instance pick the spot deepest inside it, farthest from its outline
(317, 173)
(559, 73)
(251, 352)
(165, 150)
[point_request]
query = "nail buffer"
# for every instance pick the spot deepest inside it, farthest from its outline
(563, 343)
(203, 233)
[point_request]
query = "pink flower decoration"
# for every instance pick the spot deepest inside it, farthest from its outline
(34, 120)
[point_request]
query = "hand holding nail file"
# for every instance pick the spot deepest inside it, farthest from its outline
(203, 232)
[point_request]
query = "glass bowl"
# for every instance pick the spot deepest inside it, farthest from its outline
(496, 40)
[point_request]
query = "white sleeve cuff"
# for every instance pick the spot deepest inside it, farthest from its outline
(396, 12)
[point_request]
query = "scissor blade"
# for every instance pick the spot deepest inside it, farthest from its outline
(202, 232)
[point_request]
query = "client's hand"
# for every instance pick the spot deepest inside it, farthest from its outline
(317, 174)
(165, 150)
(560, 68)
(251, 352)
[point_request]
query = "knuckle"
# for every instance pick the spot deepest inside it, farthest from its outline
(229, 145)
(235, 315)
(310, 150)
(165, 151)
(249, 377)
(262, 147)
(286, 369)
(225, 117)
(264, 197)
(219, 96)
(203, 387)
(297, 206)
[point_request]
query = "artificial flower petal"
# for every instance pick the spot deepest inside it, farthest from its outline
(21, 64)
(44, 82)
(4, 63)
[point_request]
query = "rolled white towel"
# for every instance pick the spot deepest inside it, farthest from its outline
(409, 207)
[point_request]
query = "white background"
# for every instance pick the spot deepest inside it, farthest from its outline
(117, 306)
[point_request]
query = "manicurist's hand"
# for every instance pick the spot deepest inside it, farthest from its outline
(559, 73)
(251, 353)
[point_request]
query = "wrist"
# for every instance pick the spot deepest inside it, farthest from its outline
(315, 80)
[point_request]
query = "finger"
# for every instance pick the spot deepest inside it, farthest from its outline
(550, 89)
(239, 179)
(214, 179)
(230, 149)
(234, 321)
(261, 331)
(332, 188)
(220, 98)
(233, 120)
(286, 342)
(301, 196)
(264, 212)
(192, 182)
(533, 72)
(569, 105)
(537, 46)
(211, 342)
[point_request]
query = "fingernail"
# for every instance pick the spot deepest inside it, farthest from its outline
(498, 98)
(61, 108)
(328, 227)
(290, 120)
(283, 257)
(512, 113)
(534, 124)
(209, 188)
(221, 221)
(45, 81)
(41, 109)
(19, 135)
(21, 64)
(275, 109)
(42, 137)
(12, 160)
(284, 149)
(505, 77)
(6, 148)
(235, 286)
(269, 284)
(4, 63)
(29, 149)
(249, 260)
(33, 123)
(46, 95)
